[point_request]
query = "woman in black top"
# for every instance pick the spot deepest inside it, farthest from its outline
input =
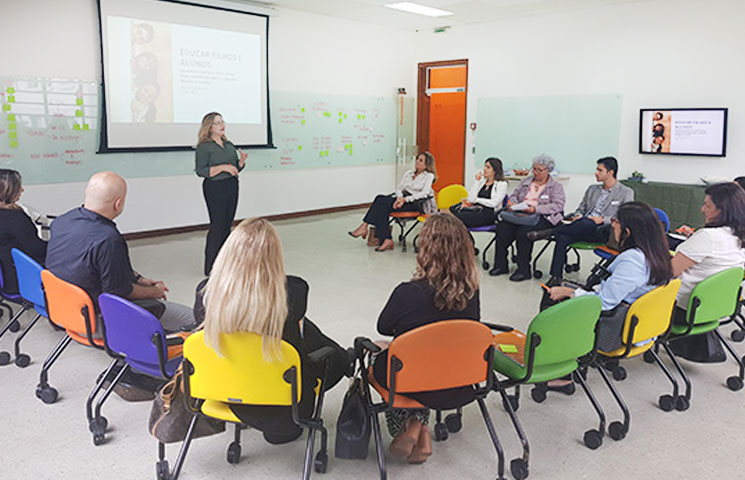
(444, 287)
(485, 197)
(16, 229)
(249, 292)
(218, 162)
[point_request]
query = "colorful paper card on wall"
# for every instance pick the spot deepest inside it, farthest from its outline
(14, 144)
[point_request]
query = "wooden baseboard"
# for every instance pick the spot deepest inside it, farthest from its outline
(204, 226)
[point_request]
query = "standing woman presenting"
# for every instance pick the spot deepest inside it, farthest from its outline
(218, 162)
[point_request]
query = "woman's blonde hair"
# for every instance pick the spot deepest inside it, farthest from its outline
(205, 128)
(446, 261)
(246, 291)
(429, 163)
(10, 188)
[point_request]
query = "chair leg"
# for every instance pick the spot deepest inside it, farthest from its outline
(617, 430)
(96, 389)
(379, 446)
(537, 257)
(518, 428)
(44, 392)
(494, 438)
(593, 438)
(99, 421)
(22, 360)
(404, 235)
(681, 402)
(5, 356)
(308, 465)
(666, 402)
(734, 382)
(484, 261)
(184, 449)
(161, 466)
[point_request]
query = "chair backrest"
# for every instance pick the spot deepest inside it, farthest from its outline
(441, 355)
(69, 306)
(566, 330)
(240, 374)
(663, 218)
(653, 312)
(717, 296)
(29, 278)
(129, 331)
(450, 195)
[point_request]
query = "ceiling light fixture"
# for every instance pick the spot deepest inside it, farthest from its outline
(418, 9)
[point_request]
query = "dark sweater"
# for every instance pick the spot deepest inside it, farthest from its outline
(18, 231)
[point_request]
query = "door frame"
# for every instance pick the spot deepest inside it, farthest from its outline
(423, 101)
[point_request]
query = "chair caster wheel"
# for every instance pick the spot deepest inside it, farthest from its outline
(15, 326)
(441, 432)
(512, 401)
(617, 431)
(734, 383)
(416, 249)
(648, 357)
(538, 394)
(519, 468)
(593, 439)
(737, 336)
(619, 373)
(234, 453)
(666, 403)
(162, 470)
(98, 439)
(537, 274)
(47, 394)
(98, 425)
(4, 358)
(682, 404)
(322, 462)
(22, 360)
(485, 265)
(454, 422)
(575, 268)
(476, 252)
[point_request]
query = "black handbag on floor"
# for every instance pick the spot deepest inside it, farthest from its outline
(353, 426)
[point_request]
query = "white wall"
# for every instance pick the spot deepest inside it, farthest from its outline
(308, 53)
(659, 53)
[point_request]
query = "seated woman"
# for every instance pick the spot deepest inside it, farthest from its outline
(248, 291)
(537, 203)
(16, 229)
(485, 196)
(444, 287)
(414, 194)
(643, 264)
(715, 247)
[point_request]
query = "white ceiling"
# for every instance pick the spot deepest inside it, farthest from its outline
(465, 11)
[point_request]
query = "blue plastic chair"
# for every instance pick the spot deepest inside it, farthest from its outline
(32, 296)
(132, 335)
(13, 325)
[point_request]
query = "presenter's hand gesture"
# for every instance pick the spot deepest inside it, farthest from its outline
(479, 174)
(231, 169)
(399, 203)
(242, 159)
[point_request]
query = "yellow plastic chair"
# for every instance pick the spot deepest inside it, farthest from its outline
(647, 319)
(241, 375)
(446, 198)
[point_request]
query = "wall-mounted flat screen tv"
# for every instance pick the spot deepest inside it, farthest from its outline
(683, 131)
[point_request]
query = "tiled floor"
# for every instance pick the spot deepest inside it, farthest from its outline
(350, 283)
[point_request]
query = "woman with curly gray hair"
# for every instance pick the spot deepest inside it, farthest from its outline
(536, 204)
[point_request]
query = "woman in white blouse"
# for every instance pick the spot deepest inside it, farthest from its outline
(414, 194)
(485, 196)
(719, 245)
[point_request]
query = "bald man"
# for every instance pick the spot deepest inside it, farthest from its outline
(86, 249)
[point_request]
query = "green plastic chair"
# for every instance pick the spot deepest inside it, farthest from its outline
(712, 300)
(557, 337)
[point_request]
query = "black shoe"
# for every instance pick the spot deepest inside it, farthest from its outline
(519, 276)
(554, 281)
(539, 234)
(567, 389)
(498, 271)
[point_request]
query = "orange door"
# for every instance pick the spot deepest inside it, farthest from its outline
(447, 122)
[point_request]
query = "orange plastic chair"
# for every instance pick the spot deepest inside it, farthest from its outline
(69, 307)
(438, 356)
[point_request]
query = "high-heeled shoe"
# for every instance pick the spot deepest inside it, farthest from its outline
(423, 448)
(406, 439)
(362, 235)
(387, 245)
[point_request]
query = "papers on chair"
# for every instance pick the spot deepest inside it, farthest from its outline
(519, 207)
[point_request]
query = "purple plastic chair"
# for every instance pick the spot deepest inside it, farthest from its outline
(132, 335)
(12, 324)
(488, 229)
(32, 296)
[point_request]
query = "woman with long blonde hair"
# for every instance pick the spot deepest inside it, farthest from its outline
(218, 162)
(445, 286)
(248, 291)
(16, 229)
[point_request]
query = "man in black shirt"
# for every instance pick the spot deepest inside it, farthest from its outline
(87, 250)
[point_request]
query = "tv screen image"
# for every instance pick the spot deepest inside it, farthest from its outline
(678, 131)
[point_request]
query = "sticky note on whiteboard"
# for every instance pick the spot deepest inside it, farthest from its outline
(76, 126)
(6, 108)
(10, 90)
(12, 134)
(11, 117)
(14, 144)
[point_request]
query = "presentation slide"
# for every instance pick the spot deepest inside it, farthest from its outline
(161, 77)
(683, 132)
